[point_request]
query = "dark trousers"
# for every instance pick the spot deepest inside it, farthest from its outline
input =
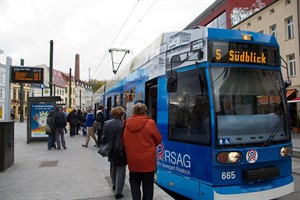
(84, 130)
(147, 181)
(78, 126)
(51, 141)
(72, 129)
(99, 136)
(59, 136)
(117, 175)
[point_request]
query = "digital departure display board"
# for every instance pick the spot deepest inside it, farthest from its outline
(27, 74)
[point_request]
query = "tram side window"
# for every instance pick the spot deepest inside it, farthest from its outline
(117, 100)
(128, 98)
(189, 109)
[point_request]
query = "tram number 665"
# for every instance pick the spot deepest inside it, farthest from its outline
(228, 175)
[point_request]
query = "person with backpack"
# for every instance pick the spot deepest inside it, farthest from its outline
(60, 124)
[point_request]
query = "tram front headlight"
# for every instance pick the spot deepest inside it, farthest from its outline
(286, 151)
(229, 157)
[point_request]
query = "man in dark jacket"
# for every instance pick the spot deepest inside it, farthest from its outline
(60, 124)
(79, 121)
(100, 118)
(72, 119)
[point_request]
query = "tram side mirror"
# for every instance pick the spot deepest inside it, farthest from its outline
(172, 82)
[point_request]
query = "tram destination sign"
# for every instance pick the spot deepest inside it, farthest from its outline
(27, 74)
(243, 53)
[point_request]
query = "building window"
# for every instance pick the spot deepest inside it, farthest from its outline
(291, 64)
(261, 31)
(248, 24)
(259, 18)
(1, 93)
(272, 11)
(218, 22)
(289, 28)
(1, 77)
(14, 94)
(273, 30)
(287, 2)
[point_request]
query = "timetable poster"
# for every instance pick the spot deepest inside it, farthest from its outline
(39, 113)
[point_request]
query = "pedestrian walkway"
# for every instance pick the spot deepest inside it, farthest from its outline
(74, 174)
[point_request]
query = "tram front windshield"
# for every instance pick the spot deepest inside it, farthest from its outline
(249, 106)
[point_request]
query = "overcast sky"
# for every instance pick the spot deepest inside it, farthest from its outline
(88, 28)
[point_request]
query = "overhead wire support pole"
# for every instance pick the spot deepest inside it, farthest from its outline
(111, 51)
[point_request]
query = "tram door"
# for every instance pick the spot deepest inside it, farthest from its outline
(108, 108)
(151, 98)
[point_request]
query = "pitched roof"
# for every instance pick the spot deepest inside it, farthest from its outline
(58, 79)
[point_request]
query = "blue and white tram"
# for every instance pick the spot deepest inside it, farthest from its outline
(219, 101)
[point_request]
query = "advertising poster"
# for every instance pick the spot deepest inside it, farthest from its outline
(39, 113)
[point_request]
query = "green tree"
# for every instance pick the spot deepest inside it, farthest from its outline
(95, 84)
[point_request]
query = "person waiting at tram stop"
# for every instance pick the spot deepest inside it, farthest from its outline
(141, 137)
(72, 119)
(60, 124)
(112, 135)
(51, 134)
(101, 119)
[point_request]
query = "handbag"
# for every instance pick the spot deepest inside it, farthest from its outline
(97, 125)
(104, 150)
(48, 129)
(121, 157)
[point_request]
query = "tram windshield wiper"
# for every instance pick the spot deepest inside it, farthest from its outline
(275, 131)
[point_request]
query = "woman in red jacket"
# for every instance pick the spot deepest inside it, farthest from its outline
(141, 137)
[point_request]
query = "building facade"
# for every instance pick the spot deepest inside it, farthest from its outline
(280, 19)
(60, 88)
(275, 17)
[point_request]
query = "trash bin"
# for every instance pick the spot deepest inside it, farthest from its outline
(7, 154)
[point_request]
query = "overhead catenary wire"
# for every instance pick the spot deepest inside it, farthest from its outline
(139, 21)
(117, 35)
(128, 35)
(126, 20)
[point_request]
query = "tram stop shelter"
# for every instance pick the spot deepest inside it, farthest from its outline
(37, 112)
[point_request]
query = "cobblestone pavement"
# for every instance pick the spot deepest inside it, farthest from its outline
(76, 173)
